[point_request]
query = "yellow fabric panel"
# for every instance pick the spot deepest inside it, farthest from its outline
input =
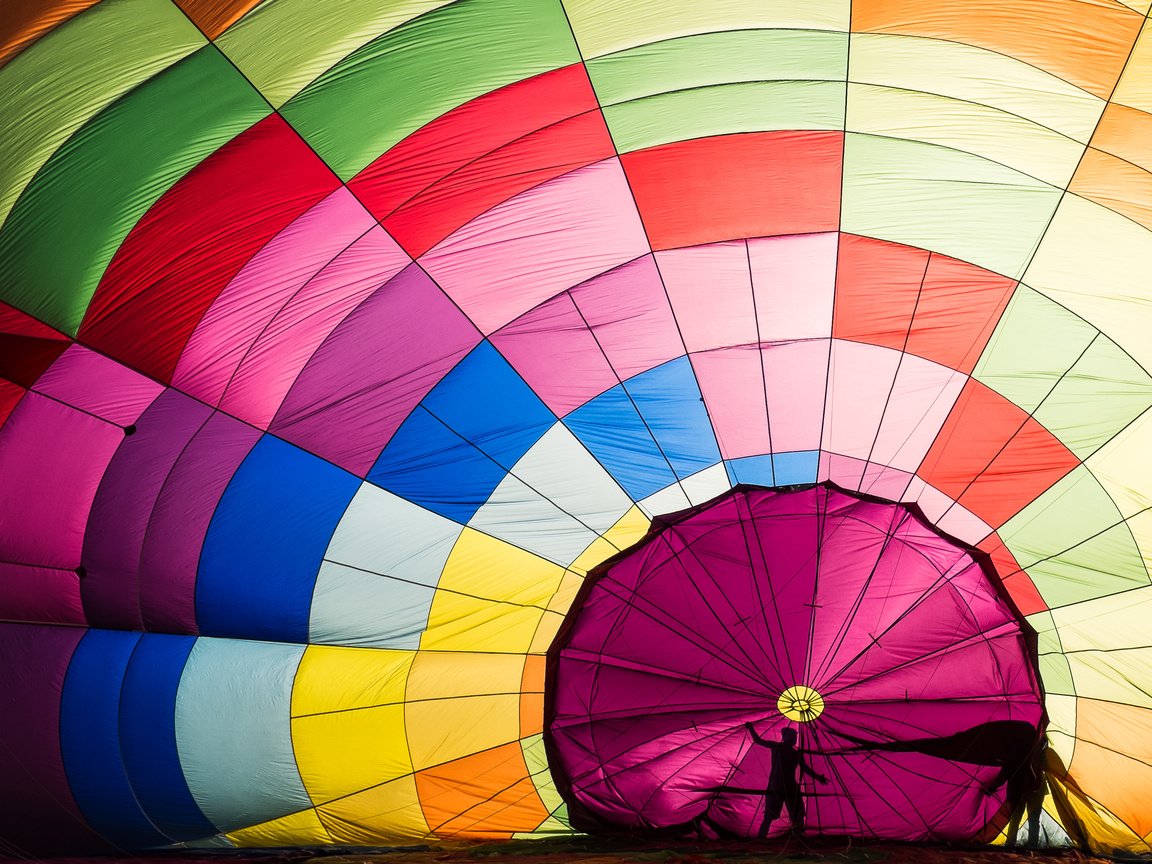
(332, 678)
(347, 751)
(604, 26)
(1076, 810)
(1106, 623)
(1061, 725)
(988, 132)
(296, 829)
(1135, 87)
(459, 704)
(1113, 760)
(1095, 262)
(1127, 133)
(1118, 185)
(629, 529)
(385, 813)
(1123, 468)
(1084, 42)
(975, 75)
(546, 630)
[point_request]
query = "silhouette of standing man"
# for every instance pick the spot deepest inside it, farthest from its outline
(783, 784)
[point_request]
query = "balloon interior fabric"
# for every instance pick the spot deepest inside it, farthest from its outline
(340, 342)
(909, 676)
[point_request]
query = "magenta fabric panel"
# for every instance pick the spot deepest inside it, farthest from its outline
(360, 386)
(123, 507)
(48, 595)
(178, 523)
(32, 680)
(665, 681)
(99, 385)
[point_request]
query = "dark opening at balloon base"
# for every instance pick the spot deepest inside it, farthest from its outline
(795, 659)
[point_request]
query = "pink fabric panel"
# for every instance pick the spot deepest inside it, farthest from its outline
(859, 381)
(40, 594)
(948, 516)
(794, 378)
(495, 268)
(274, 361)
(259, 291)
(866, 477)
(629, 313)
(556, 353)
(52, 459)
(98, 385)
(711, 293)
(794, 278)
(921, 401)
(732, 384)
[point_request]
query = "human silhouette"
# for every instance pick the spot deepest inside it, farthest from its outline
(783, 788)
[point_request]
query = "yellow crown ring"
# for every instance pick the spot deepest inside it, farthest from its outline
(800, 703)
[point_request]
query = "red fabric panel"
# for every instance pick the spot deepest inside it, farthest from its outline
(27, 346)
(195, 239)
(992, 458)
(1017, 582)
(496, 177)
(213, 17)
(10, 395)
(467, 133)
(726, 187)
(876, 286)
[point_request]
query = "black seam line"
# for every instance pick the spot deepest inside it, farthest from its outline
(631, 400)
(1031, 416)
(763, 373)
(640, 219)
(435, 588)
(404, 701)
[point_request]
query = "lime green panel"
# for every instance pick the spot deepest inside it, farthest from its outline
(73, 217)
(605, 26)
(536, 759)
(1055, 673)
(52, 88)
(943, 200)
(282, 45)
(1105, 391)
(1035, 343)
(395, 84)
(755, 107)
(720, 58)
(1074, 544)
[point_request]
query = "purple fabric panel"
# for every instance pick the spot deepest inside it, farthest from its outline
(373, 370)
(37, 810)
(52, 458)
(179, 521)
(928, 690)
(46, 595)
(123, 507)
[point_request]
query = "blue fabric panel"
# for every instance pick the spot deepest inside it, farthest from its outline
(777, 469)
(428, 464)
(613, 431)
(148, 736)
(477, 424)
(669, 400)
(90, 740)
(266, 541)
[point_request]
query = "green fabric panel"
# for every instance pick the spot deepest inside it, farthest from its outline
(1035, 343)
(69, 223)
(55, 86)
(720, 58)
(282, 45)
(752, 107)
(536, 759)
(1055, 673)
(395, 84)
(1073, 542)
(944, 200)
(1105, 391)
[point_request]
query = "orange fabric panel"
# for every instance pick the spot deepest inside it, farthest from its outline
(755, 184)
(213, 17)
(532, 696)
(992, 457)
(1016, 582)
(1127, 133)
(1113, 759)
(488, 794)
(1115, 184)
(879, 300)
(22, 22)
(1085, 42)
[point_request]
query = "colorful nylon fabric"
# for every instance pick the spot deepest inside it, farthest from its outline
(340, 342)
